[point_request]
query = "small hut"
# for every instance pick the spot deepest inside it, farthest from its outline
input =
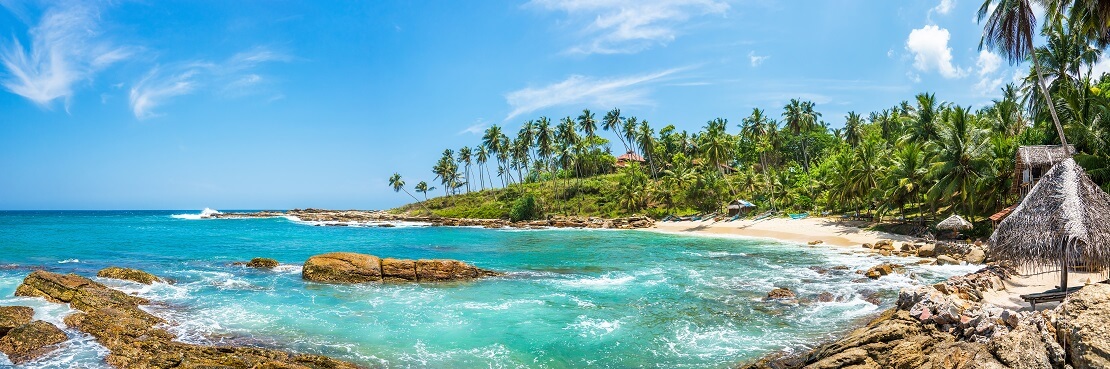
(955, 223)
(1064, 221)
(739, 207)
(629, 157)
(1001, 214)
(1032, 162)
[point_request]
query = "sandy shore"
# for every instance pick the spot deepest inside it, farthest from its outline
(832, 231)
(1035, 282)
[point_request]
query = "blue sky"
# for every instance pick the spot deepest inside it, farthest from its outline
(247, 105)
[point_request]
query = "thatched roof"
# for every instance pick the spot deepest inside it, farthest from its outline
(1042, 155)
(954, 222)
(1065, 215)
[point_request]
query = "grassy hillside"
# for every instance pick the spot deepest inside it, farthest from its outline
(595, 196)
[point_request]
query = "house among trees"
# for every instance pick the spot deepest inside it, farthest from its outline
(1032, 162)
(623, 160)
(739, 207)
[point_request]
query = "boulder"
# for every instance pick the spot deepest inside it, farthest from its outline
(882, 269)
(816, 242)
(396, 270)
(342, 267)
(885, 245)
(868, 246)
(926, 251)
(780, 294)
(262, 263)
(128, 274)
(29, 341)
(14, 316)
(1087, 317)
(908, 246)
(946, 260)
(444, 270)
(975, 256)
(1021, 348)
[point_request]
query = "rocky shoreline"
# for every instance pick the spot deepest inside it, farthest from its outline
(386, 219)
(947, 325)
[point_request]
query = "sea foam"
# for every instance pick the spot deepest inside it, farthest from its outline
(206, 213)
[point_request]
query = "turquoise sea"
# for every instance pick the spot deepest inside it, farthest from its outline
(570, 299)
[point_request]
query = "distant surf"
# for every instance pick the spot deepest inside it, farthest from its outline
(206, 213)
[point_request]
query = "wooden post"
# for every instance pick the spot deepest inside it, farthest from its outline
(1064, 267)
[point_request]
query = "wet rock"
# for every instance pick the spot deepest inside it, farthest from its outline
(926, 251)
(134, 338)
(14, 316)
(262, 263)
(885, 245)
(882, 269)
(908, 247)
(815, 242)
(398, 270)
(819, 269)
(1088, 326)
(447, 270)
(946, 260)
(128, 274)
(868, 246)
(975, 256)
(30, 341)
(342, 267)
(780, 294)
(826, 297)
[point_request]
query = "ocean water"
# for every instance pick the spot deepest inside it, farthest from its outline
(570, 299)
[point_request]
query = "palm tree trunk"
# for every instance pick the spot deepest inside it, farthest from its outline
(1048, 101)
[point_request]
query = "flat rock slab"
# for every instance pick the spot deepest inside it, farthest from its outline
(14, 316)
(343, 267)
(128, 274)
(348, 267)
(30, 341)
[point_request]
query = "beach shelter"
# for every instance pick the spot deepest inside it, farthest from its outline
(1064, 221)
(955, 223)
(738, 207)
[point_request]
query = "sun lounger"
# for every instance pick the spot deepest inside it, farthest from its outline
(1050, 295)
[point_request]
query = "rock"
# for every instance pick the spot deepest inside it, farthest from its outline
(14, 316)
(816, 242)
(133, 336)
(908, 246)
(882, 269)
(780, 294)
(262, 263)
(1087, 317)
(885, 245)
(975, 256)
(444, 270)
(29, 341)
(868, 246)
(396, 270)
(342, 267)
(826, 297)
(946, 260)
(1022, 348)
(926, 251)
(128, 274)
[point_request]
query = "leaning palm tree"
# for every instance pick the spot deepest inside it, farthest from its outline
(1009, 29)
(465, 159)
(614, 122)
(423, 187)
(398, 185)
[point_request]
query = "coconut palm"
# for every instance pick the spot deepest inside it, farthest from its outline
(852, 125)
(614, 122)
(960, 158)
(482, 158)
(491, 140)
(629, 130)
(465, 158)
(800, 119)
(1009, 30)
(545, 141)
(423, 187)
(398, 185)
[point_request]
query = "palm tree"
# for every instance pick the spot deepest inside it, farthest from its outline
(491, 140)
(483, 157)
(545, 139)
(645, 136)
(629, 129)
(614, 122)
(960, 156)
(398, 185)
(588, 126)
(801, 119)
(852, 125)
(1009, 29)
(923, 125)
(423, 187)
(906, 177)
(465, 159)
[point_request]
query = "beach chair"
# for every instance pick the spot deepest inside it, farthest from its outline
(1054, 294)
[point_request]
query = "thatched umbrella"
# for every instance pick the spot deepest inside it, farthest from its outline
(954, 222)
(1064, 220)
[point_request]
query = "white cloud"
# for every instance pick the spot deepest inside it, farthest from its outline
(988, 62)
(944, 7)
(929, 45)
(581, 90)
(628, 26)
(66, 48)
(477, 128)
(757, 60)
(988, 86)
(233, 77)
(1100, 67)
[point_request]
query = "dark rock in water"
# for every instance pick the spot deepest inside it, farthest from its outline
(346, 267)
(262, 263)
(861, 280)
(14, 316)
(343, 267)
(819, 269)
(30, 341)
(883, 269)
(780, 294)
(128, 274)
(840, 267)
(826, 297)
(133, 338)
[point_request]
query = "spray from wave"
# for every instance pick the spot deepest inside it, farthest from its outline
(206, 213)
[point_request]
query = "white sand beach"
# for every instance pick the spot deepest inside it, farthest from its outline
(832, 231)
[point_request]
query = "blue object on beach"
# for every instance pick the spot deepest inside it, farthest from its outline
(799, 216)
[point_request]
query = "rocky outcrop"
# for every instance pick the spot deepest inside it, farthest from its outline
(30, 341)
(262, 263)
(14, 316)
(134, 338)
(883, 269)
(945, 326)
(383, 219)
(780, 294)
(128, 274)
(349, 267)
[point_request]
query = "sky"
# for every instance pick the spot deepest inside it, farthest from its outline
(283, 104)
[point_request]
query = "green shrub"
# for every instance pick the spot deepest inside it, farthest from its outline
(524, 208)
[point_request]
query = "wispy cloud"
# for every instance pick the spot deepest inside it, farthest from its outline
(66, 48)
(628, 26)
(233, 77)
(757, 60)
(477, 128)
(929, 45)
(989, 81)
(606, 92)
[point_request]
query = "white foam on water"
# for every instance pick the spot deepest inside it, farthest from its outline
(492, 356)
(593, 327)
(608, 280)
(502, 306)
(289, 268)
(67, 261)
(206, 213)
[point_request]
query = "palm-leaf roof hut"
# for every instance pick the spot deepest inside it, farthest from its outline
(1064, 221)
(955, 222)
